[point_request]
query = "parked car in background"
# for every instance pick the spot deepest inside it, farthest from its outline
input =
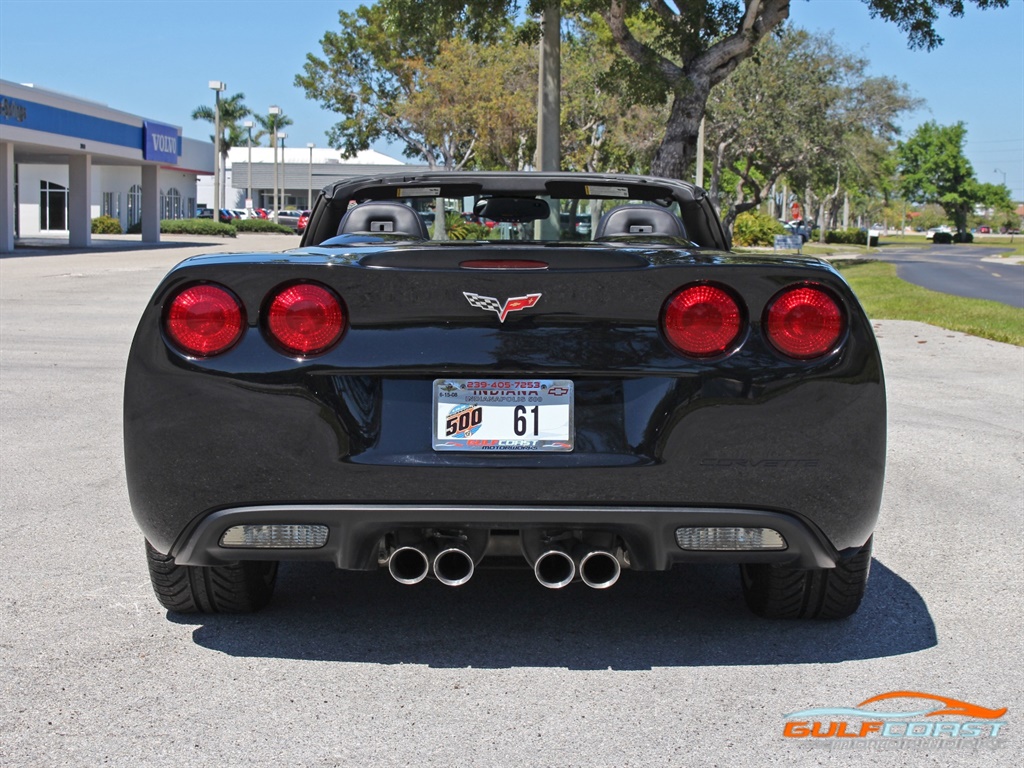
(300, 227)
(930, 234)
(799, 227)
(204, 213)
(289, 218)
(985, 230)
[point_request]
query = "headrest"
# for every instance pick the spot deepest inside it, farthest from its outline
(639, 220)
(384, 217)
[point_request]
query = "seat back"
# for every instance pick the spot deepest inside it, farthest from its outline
(383, 217)
(639, 220)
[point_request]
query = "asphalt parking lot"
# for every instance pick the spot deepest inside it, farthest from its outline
(351, 669)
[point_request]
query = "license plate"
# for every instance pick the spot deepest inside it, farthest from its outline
(503, 415)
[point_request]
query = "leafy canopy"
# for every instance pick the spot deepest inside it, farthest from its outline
(934, 169)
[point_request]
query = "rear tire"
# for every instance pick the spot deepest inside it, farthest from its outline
(781, 592)
(240, 587)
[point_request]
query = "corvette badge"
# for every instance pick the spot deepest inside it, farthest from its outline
(490, 304)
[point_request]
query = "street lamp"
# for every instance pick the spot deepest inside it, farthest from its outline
(248, 143)
(217, 86)
(309, 191)
(274, 111)
(284, 169)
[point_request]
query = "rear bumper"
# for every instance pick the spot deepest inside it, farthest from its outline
(648, 533)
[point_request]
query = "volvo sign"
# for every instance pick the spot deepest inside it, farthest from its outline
(160, 142)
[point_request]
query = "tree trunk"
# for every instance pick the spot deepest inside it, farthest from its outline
(675, 155)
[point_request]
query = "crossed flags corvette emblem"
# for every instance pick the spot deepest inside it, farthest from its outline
(491, 304)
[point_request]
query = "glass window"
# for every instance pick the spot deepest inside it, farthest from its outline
(53, 206)
(173, 205)
(112, 204)
(134, 205)
(577, 219)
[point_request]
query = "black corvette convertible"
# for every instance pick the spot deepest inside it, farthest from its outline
(624, 395)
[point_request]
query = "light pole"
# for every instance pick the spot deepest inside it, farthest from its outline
(309, 191)
(1004, 175)
(274, 111)
(284, 169)
(217, 87)
(248, 143)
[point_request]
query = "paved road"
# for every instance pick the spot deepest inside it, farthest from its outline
(959, 271)
(354, 670)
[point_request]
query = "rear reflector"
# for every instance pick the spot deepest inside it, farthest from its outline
(275, 536)
(306, 318)
(204, 320)
(702, 320)
(729, 539)
(804, 322)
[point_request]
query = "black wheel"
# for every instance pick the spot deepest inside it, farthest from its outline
(240, 587)
(781, 592)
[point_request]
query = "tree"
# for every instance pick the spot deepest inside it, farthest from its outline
(368, 74)
(674, 54)
(599, 131)
(270, 124)
(933, 169)
(232, 112)
(801, 109)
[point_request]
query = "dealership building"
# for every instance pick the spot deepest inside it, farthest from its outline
(65, 161)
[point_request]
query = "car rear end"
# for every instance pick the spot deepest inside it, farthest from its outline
(625, 405)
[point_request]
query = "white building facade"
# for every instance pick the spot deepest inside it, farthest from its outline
(298, 172)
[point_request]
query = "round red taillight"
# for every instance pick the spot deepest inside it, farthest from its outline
(702, 320)
(305, 318)
(804, 322)
(204, 320)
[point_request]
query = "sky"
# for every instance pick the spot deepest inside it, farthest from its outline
(155, 58)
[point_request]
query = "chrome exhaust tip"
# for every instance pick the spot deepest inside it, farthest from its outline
(408, 565)
(453, 566)
(600, 569)
(554, 569)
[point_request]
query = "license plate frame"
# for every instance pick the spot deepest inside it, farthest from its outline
(491, 411)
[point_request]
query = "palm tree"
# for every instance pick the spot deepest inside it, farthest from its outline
(232, 112)
(269, 124)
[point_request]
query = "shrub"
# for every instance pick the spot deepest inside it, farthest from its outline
(963, 237)
(942, 238)
(850, 237)
(847, 236)
(477, 231)
(754, 228)
(456, 227)
(260, 225)
(106, 225)
(189, 227)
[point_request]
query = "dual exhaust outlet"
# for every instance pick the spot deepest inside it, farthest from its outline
(555, 568)
(452, 566)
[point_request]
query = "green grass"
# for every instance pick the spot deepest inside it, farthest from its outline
(886, 297)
